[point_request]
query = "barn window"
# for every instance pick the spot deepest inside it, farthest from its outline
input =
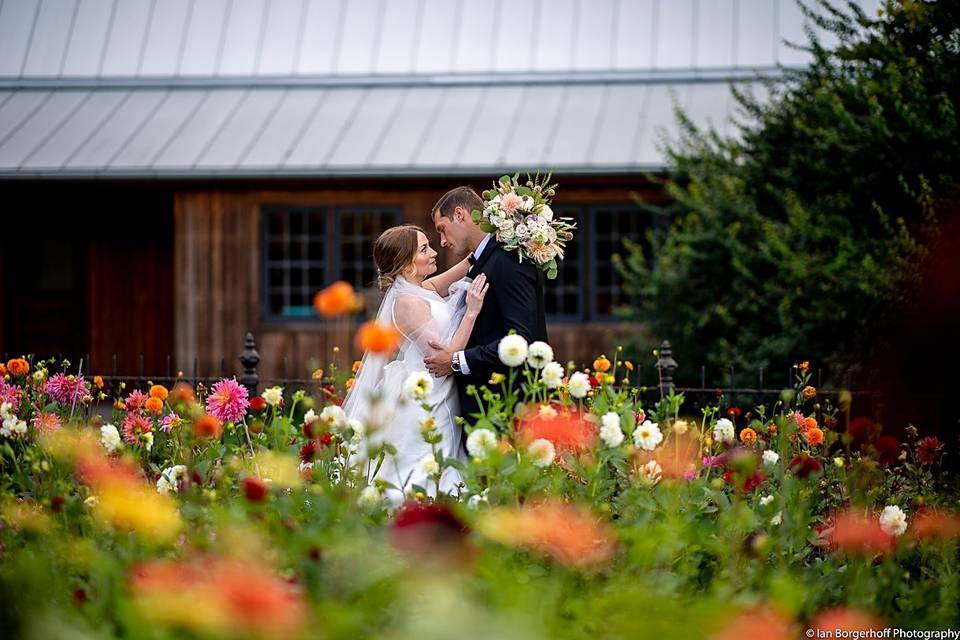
(307, 248)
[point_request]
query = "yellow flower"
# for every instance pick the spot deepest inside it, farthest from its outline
(838, 461)
(497, 378)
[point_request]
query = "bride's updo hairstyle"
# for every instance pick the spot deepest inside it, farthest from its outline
(393, 253)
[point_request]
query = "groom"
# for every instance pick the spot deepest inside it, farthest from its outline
(514, 300)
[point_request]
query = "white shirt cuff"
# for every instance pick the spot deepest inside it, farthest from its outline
(464, 369)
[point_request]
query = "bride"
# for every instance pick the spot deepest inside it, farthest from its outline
(442, 308)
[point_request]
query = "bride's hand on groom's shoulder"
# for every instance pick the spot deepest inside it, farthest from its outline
(475, 294)
(439, 363)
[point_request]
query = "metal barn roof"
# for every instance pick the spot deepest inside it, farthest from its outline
(369, 87)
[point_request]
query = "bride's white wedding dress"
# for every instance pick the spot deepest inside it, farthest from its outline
(377, 397)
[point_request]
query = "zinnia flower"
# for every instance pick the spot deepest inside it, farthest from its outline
(723, 431)
(135, 427)
(542, 452)
(158, 391)
(512, 350)
(893, 520)
(647, 435)
(228, 401)
(814, 437)
(928, 450)
(46, 422)
(207, 426)
(417, 386)
(539, 354)
(610, 431)
(136, 401)
(377, 338)
(481, 442)
(337, 299)
(579, 385)
(552, 375)
(154, 405)
(748, 436)
(66, 390)
(10, 393)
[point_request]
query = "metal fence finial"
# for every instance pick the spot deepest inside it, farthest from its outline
(249, 358)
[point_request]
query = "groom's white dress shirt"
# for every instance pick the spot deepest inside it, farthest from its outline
(464, 367)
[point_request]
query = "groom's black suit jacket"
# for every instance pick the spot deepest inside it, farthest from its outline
(514, 300)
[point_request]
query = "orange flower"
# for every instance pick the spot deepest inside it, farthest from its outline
(763, 623)
(317, 374)
(814, 436)
(853, 532)
(748, 436)
(569, 534)
(565, 429)
(18, 367)
(377, 338)
(809, 393)
(628, 365)
(182, 392)
(936, 524)
(809, 423)
(601, 364)
(158, 391)
(846, 619)
(356, 366)
(98, 380)
(206, 426)
(349, 384)
(337, 299)
(222, 597)
(3, 370)
(805, 365)
(154, 405)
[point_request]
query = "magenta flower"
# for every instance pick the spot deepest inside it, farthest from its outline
(136, 401)
(10, 393)
(228, 402)
(66, 390)
(134, 426)
(170, 422)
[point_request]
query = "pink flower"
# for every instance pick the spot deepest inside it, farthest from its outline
(170, 421)
(228, 402)
(134, 426)
(46, 422)
(136, 401)
(66, 390)
(511, 202)
(10, 393)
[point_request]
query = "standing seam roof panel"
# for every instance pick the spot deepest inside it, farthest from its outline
(17, 18)
(282, 131)
(50, 38)
(192, 138)
(236, 134)
(41, 123)
(121, 56)
(88, 38)
(54, 152)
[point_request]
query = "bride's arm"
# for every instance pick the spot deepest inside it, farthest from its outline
(412, 317)
(442, 281)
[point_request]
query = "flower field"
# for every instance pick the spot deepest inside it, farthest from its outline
(585, 512)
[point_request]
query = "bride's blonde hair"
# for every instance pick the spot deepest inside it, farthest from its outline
(393, 252)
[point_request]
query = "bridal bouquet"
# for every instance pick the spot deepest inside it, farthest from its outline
(521, 218)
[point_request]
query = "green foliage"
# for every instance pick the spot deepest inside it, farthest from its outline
(805, 232)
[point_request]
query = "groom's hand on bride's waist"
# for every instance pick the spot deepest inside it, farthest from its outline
(439, 363)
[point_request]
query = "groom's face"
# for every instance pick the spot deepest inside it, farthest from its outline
(454, 231)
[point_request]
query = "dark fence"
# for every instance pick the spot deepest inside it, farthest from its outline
(866, 401)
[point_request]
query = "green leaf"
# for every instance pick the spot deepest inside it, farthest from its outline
(524, 191)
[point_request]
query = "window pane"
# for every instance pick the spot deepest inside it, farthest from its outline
(612, 224)
(564, 296)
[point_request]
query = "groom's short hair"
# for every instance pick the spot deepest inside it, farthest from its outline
(464, 197)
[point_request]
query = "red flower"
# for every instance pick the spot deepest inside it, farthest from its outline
(888, 449)
(308, 451)
(860, 430)
(254, 489)
(803, 465)
(928, 450)
(733, 412)
(428, 530)
(326, 439)
(853, 532)
(257, 403)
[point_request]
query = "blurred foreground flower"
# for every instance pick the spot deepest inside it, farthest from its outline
(565, 429)
(763, 623)
(217, 596)
(337, 299)
(377, 337)
(432, 533)
(853, 532)
(569, 534)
